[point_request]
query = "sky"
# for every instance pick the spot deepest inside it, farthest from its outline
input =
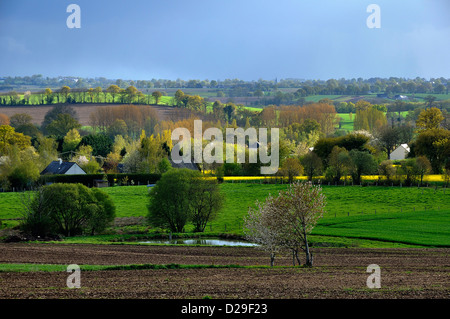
(225, 39)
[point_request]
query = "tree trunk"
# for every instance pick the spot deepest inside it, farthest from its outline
(295, 257)
(309, 257)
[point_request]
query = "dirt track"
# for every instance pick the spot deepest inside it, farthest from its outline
(338, 273)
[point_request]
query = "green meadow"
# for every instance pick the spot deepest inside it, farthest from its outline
(395, 215)
(317, 98)
(346, 122)
(439, 97)
(368, 216)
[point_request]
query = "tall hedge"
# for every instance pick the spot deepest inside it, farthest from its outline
(324, 146)
(113, 179)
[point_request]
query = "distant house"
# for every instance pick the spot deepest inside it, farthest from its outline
(60, 167)
(400, 97)
(400, 152)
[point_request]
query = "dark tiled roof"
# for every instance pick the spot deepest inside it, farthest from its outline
(56, 167)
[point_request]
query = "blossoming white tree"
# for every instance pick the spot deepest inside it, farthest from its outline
(285, 222)
(258, 228)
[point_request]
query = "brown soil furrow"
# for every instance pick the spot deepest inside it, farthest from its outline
(338, 273)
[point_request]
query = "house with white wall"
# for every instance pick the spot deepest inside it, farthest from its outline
(60, 167)
(400, 152)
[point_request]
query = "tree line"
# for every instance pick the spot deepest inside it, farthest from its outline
(264, 92)
(312, 87)
(111, 95)
(131, 138)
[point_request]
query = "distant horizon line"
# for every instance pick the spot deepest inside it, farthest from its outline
(236, 78)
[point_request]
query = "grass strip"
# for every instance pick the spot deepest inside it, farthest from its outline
(58, 268)
(44, 267)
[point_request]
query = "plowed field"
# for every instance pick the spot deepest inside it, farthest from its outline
(337, 273)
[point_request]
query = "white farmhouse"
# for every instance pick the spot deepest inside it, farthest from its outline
(60, 167)
(400, 152)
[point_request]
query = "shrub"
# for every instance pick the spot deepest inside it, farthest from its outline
(169, 205)
(164, 165)
(409, 172)
(291, 167)
(36, 220)
(339, 164)
(312, 165)
(182, 196)
(104, 214)
(205, 201)
(324, 146)
(230, 169)
(362, 163)
(23, 174)
(386, 169)
(67, 209)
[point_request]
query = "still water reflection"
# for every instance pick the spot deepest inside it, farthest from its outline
(200, 241)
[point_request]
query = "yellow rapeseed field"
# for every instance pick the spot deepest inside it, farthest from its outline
(426, 178)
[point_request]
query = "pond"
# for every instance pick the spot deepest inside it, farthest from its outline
(200, 241)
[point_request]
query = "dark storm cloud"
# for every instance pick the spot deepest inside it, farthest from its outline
(245, 39)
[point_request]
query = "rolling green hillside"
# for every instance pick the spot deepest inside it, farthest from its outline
(416, 216)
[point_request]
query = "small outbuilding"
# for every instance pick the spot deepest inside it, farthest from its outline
(63, 168)
(100, 183)
(400, 152)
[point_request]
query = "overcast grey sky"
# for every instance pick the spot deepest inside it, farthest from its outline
(220, 39)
